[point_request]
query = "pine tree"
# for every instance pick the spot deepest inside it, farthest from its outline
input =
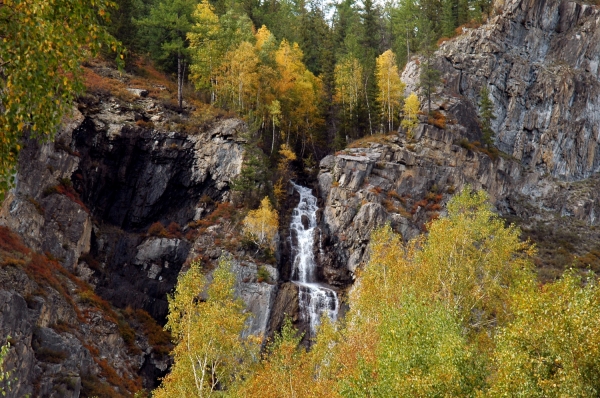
(430, 76)
(486, 115)
(449, 17)
(168, 25)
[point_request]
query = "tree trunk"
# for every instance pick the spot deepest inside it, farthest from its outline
(368, 106)
(180, 81)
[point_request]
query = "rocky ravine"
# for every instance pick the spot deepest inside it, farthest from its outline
(87, 200)
(540, 60)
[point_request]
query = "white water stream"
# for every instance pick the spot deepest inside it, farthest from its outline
(315, 298)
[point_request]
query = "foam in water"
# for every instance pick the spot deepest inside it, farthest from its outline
(315, 299)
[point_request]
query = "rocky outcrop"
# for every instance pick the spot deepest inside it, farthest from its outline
(63, 341)
(87, 200)
(540, 61)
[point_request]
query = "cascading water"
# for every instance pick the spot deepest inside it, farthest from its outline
(315, 298)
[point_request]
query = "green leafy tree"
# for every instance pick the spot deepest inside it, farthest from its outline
(210, 353)
(486, 115)
(42, 47)
(167, 27)
(430, 76)
(205, 48)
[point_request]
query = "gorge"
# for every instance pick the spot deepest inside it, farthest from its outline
(122, 200)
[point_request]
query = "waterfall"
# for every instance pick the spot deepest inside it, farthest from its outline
(315, 298)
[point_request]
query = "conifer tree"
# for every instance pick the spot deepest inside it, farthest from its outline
(430, 76)
(486, 115)
(168, 25)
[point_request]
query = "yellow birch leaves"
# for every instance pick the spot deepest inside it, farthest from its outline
(390, 87)
(411, 110)
(42, 45)
(210, 352)
(261, 225)
(348, 76)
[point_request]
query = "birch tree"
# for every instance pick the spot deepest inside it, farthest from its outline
(261, 225)
(210, 352)
(390, 87)
(411, 110)
(42, 46)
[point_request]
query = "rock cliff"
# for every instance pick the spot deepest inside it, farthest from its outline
(118, 206)
(539, 60)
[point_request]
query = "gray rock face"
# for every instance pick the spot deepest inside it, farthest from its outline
(407, 184)
(87, 200)
(540, 61)
(51, 338)
(259, 296)
(48, 221)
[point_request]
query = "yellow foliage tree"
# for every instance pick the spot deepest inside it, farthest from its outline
(261, 225)
(209, 352)
(552, 347)
(411, 110)
(238, 76)
(205, 48)
(390, 87)
(289, 371)
(348, 76)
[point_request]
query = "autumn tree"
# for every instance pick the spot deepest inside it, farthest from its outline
(5, 376)
(42, 47)
(209, 352)
(348, 78)
(288, 370)
(390, 87)
(471, 261)
(274, 109)
(205, 48)
(551, 348)
(486, 115)
(411, 111)
(261, 225)
(239, 77)
(168, 25)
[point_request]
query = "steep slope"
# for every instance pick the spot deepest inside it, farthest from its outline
(128, 193)
(540, 60)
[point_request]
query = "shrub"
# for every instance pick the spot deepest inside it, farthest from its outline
(159, 338)
(263, 274)
(174, 230)
(157, 229)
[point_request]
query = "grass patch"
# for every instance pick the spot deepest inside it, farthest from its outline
(370, 139)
